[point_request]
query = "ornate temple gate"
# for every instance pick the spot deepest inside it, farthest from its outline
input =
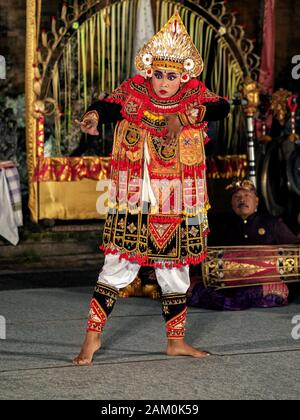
(89, 50)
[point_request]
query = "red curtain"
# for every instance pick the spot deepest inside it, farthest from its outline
(266, 75)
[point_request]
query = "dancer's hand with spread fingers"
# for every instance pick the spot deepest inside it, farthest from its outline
(89, 123)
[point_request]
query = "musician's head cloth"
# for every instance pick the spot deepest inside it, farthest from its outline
(244, 184)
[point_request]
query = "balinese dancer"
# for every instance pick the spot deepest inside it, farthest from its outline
(158, 198)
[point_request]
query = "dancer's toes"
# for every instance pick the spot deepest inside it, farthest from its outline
(200, 354)
(180, 348)
(79, 361)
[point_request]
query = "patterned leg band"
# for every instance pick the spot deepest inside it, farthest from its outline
(101, 306)
(174, 312)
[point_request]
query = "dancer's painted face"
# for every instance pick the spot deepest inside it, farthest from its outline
(165, 83)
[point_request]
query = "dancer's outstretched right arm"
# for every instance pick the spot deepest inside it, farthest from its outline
(98, 113)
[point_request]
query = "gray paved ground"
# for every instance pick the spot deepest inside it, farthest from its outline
(253, 353)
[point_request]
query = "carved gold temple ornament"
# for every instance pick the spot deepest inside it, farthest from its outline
(279, 104)
(250, 92)
(89, 50)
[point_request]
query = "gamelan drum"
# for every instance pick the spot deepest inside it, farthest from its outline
(252, 265)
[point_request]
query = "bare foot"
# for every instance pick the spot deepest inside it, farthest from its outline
(181, 348)
(90, 345)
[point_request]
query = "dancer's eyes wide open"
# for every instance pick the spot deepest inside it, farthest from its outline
(170, 75)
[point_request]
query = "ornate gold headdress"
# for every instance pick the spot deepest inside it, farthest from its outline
(171, 49)
(245, 184)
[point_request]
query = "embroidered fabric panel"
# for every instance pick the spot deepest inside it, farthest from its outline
(208, 96)
(174, 312)
(162, 231)
(177, 170)
(156, 240)
(191, 146)
(97, 317)
(126, 168)
(102, 303)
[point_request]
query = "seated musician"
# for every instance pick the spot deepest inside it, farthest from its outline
(245, 226)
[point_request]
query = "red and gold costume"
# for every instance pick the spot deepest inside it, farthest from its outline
(172, 231)
(158, 197)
